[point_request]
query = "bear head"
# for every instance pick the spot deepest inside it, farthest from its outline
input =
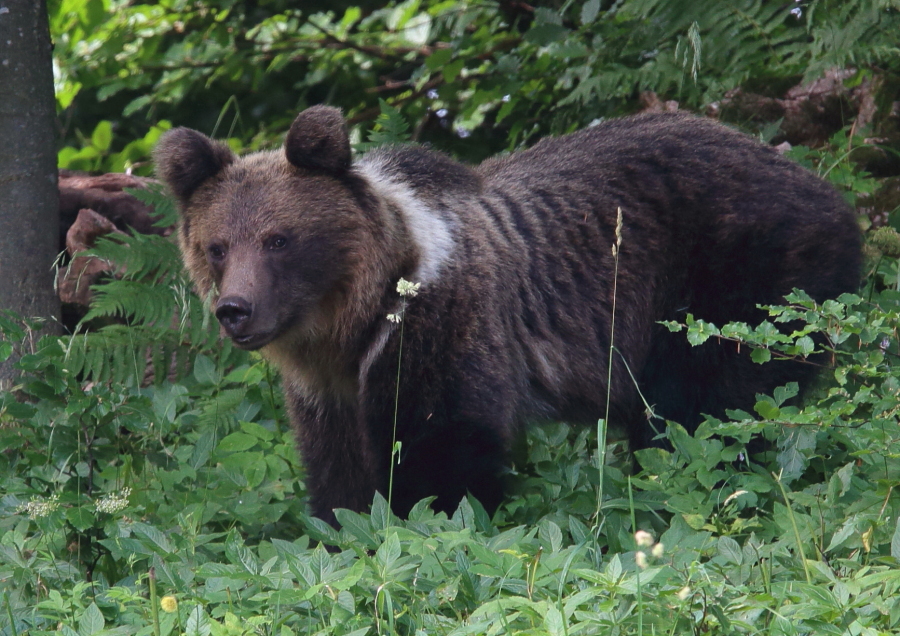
(276, 240)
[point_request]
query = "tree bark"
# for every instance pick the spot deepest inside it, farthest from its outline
(29, 199)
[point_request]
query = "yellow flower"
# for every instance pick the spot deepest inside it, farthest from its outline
(169, 604)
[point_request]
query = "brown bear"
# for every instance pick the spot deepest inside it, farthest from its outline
(301, 251)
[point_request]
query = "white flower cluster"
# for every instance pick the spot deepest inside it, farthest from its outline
(114, 502)
(644, 540)
(407, 289)
(38, 508)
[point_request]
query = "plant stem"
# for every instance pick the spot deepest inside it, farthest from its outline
(793, 519)
(396, 407)
(154, 603)
(603, 424)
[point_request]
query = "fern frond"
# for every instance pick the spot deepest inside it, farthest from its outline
(155, 195)
(158, 323)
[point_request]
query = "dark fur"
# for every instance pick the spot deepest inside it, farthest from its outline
(515, 323)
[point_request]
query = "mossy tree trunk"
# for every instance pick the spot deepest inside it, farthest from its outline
(29, 200)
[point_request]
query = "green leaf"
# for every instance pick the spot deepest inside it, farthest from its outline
(80, 517)
(236, 442)
(358, 526)
(137, 104)
(101, 138)
(320, 530)
(404, 11)
(260, 432)
(91, 621)
(805, 345)
(167, 399)
(197, 622)
(589, 11)
(157, 537)
(203, 449)
(843, 534)
(699, 331)
(544, 15)
(240, 554)
(760, 356)
(452, 69)
(731, 550)
(438, 59)
(544, 34)
(784, 393)
(205, 370)
(554, 621)
(389, 551)
(767, 409)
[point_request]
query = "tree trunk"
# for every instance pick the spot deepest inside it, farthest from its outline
(29, 200)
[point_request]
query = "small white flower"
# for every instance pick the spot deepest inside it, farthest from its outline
(395, 318)
(734, 495)
(619, 227)
(407, 289)
(641, 559)
(38, 508)
(114, 502)
(684, 592)
(657, 550)
(643, 538)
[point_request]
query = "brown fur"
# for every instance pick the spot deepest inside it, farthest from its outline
(302, 252)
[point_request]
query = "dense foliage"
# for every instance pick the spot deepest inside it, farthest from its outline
(149, 479)
(474, 78)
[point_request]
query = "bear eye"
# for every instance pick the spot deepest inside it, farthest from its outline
(216, 252)
(277, 242)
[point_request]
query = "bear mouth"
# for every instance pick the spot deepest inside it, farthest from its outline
(253, 341)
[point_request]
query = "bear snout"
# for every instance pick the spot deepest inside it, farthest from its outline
(234, 314)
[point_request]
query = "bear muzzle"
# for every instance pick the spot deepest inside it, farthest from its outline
(235, 314)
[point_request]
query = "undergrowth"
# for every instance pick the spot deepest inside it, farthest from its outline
(149, 455)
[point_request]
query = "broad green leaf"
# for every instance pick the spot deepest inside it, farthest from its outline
(237, 442)
(438, 59)
(452, 69)
(731, 550)
(544, 34)
(589, 11)
(389, 551)
(101, 138)
(91, 621)
(80, 517)
(197, 623)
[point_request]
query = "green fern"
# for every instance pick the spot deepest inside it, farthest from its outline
(155, 195)
(390, 128)
(152, 324)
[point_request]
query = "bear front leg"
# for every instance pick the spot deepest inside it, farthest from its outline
(449, 460)
(338, 456)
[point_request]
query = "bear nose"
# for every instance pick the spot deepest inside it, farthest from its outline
(233, 312)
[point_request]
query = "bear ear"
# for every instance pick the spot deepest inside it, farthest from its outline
(186, 158)
(318, 140)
